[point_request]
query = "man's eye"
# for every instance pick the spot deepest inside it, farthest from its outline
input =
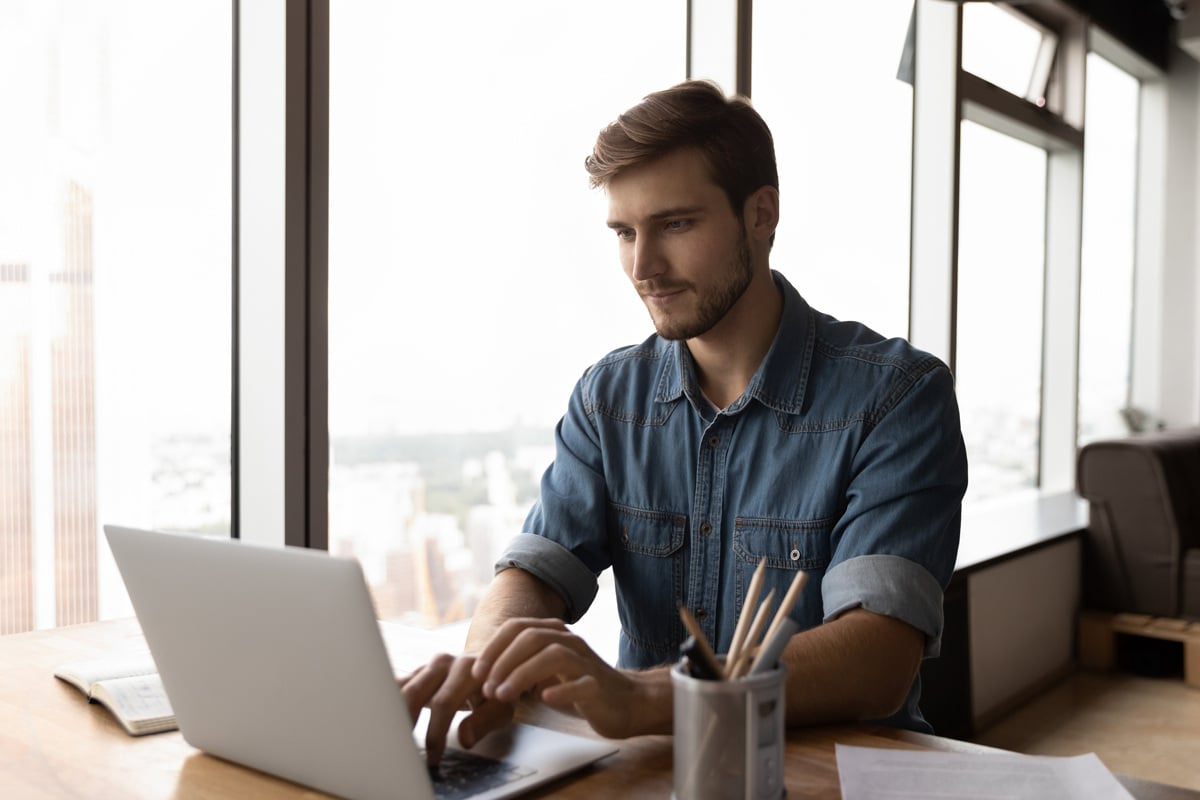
(677, 224)
(624, 234)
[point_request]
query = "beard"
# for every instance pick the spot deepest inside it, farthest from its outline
(715, 304)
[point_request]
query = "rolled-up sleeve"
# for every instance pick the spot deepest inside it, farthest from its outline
(887, 585)
(556, 566)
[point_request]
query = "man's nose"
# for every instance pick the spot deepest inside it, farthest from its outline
(648, 259)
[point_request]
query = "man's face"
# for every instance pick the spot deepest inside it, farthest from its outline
(681, 245)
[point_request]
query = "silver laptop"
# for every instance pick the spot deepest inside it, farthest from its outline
(272, 658)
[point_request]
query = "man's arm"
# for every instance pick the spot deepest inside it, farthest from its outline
(894, 552)
(512, 593)
(856, 667)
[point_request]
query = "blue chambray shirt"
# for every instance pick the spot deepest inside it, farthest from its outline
(843, 457)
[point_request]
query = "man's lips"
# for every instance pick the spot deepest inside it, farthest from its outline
(661, 294)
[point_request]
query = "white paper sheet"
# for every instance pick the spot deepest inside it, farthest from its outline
(869, 773)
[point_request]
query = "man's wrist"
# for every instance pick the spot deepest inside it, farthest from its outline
(653, 701)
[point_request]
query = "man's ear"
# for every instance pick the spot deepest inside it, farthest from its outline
(761, 213)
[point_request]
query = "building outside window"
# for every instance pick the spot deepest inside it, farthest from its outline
(114, 291)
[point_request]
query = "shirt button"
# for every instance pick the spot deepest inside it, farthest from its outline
(713, 441)
(701, 613)
(706, 528)
(795, 554)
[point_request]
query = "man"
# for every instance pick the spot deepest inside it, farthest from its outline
(750, 427)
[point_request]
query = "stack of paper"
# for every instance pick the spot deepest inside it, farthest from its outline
(869, 773)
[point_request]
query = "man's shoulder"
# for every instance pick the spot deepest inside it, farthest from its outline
(854, 367)
(834, 340)
(630, 383)
(856, 344)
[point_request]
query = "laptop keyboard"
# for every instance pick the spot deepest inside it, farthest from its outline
(462, 774)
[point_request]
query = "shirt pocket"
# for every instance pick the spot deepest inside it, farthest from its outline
(647, 553)
(785, 544)
(788, 546)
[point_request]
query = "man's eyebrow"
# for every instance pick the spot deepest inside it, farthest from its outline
(666, 213)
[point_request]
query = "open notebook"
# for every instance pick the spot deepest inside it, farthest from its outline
(272, 658)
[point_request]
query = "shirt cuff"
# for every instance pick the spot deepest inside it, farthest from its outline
(555, 565)
(889, 585)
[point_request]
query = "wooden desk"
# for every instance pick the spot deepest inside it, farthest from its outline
(53, 744)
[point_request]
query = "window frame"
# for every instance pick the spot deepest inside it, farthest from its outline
(944, 95)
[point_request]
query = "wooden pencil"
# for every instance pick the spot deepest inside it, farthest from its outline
(742, 665)
(785, 608)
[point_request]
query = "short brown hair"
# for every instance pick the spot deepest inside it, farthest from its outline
(728, 132)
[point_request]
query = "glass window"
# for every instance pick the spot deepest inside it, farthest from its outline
(1001, 259)
(1007, 49)
(114, 291)
(472, 278)
(1106, 283)
(839, 177)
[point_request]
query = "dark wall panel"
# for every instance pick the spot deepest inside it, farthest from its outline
(1145, 26)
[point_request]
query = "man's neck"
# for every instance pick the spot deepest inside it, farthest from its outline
(728, 355)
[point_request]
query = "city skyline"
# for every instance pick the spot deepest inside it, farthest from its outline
(69, 593)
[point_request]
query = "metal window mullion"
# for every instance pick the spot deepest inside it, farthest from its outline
(1147, 366)
(745, 43)
(317, 227)
(235, 277)
(1060, 322)
(1059, 432)
(933, 286)
(295, 277)
(1013, 116)
(282, 184)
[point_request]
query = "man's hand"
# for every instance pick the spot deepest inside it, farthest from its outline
(543, 658)
(445, 686)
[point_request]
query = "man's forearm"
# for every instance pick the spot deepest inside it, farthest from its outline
(859, 666)
(512, 593)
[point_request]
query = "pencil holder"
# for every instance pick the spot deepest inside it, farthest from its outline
(729, 736)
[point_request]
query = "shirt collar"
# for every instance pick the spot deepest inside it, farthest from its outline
(781, 379)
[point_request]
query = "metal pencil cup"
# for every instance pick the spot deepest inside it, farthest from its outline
(729, 736)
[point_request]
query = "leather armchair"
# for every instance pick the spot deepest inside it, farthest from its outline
(1142, 551)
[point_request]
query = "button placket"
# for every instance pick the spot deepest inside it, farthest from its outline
(707, 553)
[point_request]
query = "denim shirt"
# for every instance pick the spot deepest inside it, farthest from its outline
(843, 458)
